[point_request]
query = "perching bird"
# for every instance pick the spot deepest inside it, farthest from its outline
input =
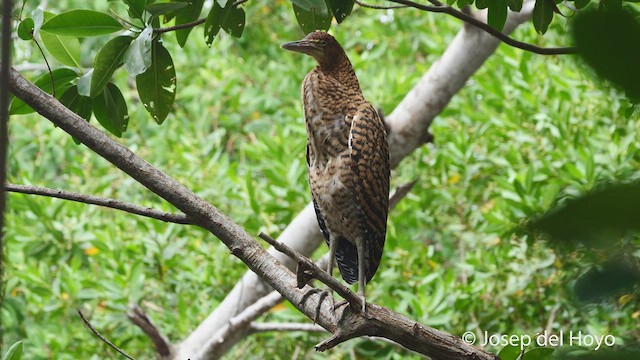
(348, 161)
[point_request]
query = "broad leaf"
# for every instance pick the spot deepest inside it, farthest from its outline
(136, 8)
(109, 58)
(609, 41)
(515, 5)
(188, 14)
(580, 4)
(156, 9)
(82, 23)
(497, 14)
(14, 352)
(616, 276)
(84, 83)
(110, 109)
(65, 49)
(539, 353)
(341, 8)
(598, 218)
(234, 22)
(312, 15)
(61, 77)
(25, 29)
(483, 4)
(77, 103)
(157, 85)
(137, 59)
(214, 22)
(542, 15)
(38, 18)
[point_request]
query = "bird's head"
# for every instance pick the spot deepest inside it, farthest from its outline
(321, 46)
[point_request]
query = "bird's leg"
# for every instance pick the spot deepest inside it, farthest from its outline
(361, 274)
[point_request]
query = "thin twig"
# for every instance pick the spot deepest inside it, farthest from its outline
(53, 86)
(100, 201)
(179, 26)
(192, 23)
(441, 8)
(104, 339)
(257, 327)
(380, 7)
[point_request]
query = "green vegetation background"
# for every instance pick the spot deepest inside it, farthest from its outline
(525, 130)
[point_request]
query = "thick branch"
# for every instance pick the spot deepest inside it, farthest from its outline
(100, 201)
(237, 327)
(408, 124)
(348, 324)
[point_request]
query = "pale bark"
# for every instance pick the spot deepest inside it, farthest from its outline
(408, 123)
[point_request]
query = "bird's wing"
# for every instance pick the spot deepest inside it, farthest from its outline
(369, 152)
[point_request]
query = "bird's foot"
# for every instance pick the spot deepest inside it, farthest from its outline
(322, 293)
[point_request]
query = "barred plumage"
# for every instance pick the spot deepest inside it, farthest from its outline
(348, 160)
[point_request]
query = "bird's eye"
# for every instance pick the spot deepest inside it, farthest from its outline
(323, 43)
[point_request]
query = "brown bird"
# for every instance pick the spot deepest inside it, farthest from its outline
(348, 161)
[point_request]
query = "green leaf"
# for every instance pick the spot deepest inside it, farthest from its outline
(137, 59)
(542, 15)
(515, 5)
(156, 9)
(188, 14)
(77, 103)
(109, 58)
(609, 42)
(82, 23)
(616, 276)
(157, 85)
(136, 8)
(483, 4)
(509, 352)
(38, 18)
(312, 15)
(596, 218)
(234, 22)
(14, 352)
(65, 49)
(581, 4)
(25, 29)
(612, 4)
(497, 14)
(61, 77)
(84, 83)
(214, 22)
(341, 8)
(110, 109)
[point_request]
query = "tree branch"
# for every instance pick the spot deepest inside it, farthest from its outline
(100, 201)
(179, 26)
(137, 316)
(257, 327)
(380, 7)
(104, 339)
(408, 123)
(441, 8)
(348, 324)
(237, 327)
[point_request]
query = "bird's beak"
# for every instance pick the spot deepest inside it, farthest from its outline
(305, 47)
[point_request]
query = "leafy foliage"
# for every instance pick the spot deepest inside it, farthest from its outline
(524, 132)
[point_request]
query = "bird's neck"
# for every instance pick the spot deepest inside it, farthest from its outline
(343, 72)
